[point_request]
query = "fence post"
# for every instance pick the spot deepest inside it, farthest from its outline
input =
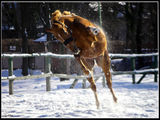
(155, 66)
(133, 68)
(74, 83)
(48, 70)
(84, 83)
(10, 71)
(104, 81)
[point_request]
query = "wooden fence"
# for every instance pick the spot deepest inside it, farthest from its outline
(48, 74)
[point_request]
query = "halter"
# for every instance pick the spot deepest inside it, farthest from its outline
(68, 40)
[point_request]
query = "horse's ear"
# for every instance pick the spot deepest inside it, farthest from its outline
(66, 13)
(67, 16)
(56, 12)
(56, 15)
(73, 14)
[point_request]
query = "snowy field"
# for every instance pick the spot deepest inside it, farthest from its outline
(30, 100)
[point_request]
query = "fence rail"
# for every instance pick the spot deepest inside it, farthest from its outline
(49, 54)
(48, 74)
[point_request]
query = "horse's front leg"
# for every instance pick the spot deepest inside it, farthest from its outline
(87, 67)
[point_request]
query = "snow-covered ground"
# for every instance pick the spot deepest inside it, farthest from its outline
(30, 99)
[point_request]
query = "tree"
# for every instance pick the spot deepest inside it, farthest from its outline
(130, 23)
(153, 19)
(139, 27)
(139, 34)
(23, 9)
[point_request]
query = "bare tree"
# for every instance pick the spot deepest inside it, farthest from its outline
(23, 9)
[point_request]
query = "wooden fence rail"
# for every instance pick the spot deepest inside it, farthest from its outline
(48, 74)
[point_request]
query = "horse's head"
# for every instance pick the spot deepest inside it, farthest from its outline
(56, 15)
(59, 29)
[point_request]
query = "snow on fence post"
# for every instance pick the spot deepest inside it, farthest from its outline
(133, 68)
(10, 70)
(48, 70)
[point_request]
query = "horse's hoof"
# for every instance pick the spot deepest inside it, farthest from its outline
(97, 105)
(115, 99)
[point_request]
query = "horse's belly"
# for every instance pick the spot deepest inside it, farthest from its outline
(96, 50)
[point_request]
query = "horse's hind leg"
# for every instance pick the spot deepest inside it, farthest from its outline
(104, 62)
(87, 66)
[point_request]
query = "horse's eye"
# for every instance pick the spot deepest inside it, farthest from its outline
(95, 31)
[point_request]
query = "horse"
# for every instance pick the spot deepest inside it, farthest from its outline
(88, 43)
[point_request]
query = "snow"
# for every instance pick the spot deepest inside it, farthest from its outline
(94, 5)
(122, 3)
(42, 39)
(30, 99)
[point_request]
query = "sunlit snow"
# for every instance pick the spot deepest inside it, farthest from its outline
(30, 99)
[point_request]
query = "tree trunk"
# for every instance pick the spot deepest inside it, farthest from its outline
(154, 19)
(139, 29)
(139, 34)
(24, 40)
(130, 24)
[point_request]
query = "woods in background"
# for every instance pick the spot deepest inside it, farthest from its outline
(130, 23)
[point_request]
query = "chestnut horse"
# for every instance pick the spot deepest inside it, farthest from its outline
(87, 41)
